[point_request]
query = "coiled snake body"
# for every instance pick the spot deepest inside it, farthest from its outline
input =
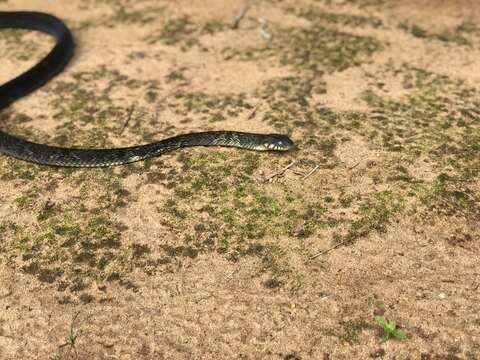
(52, 64)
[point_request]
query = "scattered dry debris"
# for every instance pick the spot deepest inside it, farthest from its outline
(240, 16)
(310, 173)
(280, 173)
(128, 118)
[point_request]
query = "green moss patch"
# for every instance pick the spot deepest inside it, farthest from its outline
(464, 34)
(315, 15)
(176, 31)
(17, 45)
(438, 119)
(315, 49)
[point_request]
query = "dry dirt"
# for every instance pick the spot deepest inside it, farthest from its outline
(209, 253)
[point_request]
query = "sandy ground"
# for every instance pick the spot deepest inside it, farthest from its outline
(230, 254)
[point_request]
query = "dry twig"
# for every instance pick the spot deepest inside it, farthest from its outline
(264, 29)
(327, 250)
(240, 16)
(311, 172)
(129, 117)
(230, 276)
(281, 172)
(252, 113)
(354, 166)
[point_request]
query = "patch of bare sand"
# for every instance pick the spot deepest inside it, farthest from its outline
(341, 96)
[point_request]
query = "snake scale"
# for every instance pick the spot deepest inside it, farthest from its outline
(53, 63)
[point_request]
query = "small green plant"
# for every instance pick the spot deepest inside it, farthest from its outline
(390, 329)
(72, 336)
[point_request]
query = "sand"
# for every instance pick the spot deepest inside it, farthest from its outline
(209, 253)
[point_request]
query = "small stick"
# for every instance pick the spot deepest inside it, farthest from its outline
(281, 172)
(263, 29)
(328, 250)
(254, 110)
(311, 172)
(265, 34)
(240, 16)
(229, 276)
(354, 166)
(129, 116)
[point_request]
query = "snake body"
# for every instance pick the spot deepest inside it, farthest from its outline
(52, 64)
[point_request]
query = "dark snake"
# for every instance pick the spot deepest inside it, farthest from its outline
(52, 64)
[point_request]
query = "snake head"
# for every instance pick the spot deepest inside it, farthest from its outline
(276, 142)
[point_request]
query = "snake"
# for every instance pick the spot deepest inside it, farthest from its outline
(52, 64)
